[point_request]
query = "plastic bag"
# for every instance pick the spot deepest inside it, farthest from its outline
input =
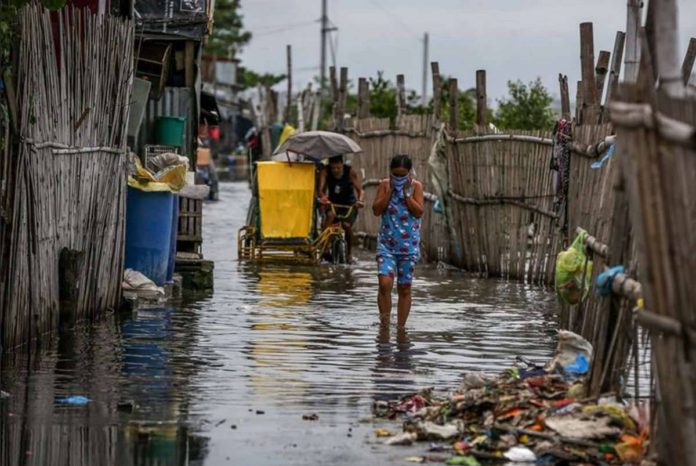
(571, 266)
(171, 178)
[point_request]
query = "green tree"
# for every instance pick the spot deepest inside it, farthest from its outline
(527, 107)
(251, 78)
(228, 30)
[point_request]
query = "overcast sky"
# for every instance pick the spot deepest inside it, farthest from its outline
(511, 39)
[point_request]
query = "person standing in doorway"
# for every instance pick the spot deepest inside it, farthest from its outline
(399, 201)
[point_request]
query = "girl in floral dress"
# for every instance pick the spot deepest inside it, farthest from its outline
(399, 201)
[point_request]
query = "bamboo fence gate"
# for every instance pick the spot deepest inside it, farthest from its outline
(69, 181)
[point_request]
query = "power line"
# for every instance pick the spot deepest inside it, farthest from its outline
(281, 29)
(396, 18)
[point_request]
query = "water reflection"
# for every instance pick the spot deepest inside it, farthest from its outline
(137, 411)
(392, 374)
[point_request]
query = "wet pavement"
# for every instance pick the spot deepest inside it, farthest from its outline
(226, 378)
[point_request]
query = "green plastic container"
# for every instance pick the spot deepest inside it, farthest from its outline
(170, 131)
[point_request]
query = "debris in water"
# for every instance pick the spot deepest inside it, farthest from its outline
(259, 412)
(310, 417)
(406, 438)
(523, 415)
(75, 400)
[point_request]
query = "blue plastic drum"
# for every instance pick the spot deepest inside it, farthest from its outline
(149, 233)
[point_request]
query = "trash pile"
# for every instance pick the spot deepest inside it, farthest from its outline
(529, 414)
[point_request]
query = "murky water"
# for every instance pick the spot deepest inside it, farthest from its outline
(226, 378)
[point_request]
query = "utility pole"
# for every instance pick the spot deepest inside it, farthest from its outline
(289, 96)
(426, 45)
(324, 32)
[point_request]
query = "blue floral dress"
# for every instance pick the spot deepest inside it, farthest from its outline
(398, 242)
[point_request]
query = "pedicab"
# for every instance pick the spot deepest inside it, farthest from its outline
(284, 216)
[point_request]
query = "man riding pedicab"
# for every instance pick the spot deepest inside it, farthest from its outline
(340, 190)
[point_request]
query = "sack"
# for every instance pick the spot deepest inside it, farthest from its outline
(571, 265)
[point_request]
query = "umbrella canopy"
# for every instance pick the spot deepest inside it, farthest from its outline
(319, 145)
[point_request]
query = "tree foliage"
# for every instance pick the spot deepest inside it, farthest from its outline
(527, 107)
(228, 29)
(249, 78)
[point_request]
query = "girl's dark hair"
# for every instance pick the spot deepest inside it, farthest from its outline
(401, 161)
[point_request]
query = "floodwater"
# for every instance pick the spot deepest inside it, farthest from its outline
(226, 378)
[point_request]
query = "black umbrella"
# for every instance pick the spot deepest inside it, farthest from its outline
(319, 145)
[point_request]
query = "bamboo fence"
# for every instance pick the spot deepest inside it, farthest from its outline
(660, 173)
(73, 95)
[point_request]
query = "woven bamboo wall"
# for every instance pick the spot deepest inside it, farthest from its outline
(70, 169)
(502, 207)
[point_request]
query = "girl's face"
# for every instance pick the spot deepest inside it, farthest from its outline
(400, 171)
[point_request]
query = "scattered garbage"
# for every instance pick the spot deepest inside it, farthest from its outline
(520, 455)
(528, 414)
(573, 355)
(138, 284)
(75, 400)
(406, 438)
(573, 272)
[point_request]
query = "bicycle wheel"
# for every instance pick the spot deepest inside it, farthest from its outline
(338, 250)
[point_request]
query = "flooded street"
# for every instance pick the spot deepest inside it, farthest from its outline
(226, 378)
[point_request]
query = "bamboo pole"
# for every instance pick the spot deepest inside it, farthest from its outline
(633, 21)
(617, 56)
(666, 43)
(601, 72)
(688, 63)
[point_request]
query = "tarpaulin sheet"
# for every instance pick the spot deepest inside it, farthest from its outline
(286, 199)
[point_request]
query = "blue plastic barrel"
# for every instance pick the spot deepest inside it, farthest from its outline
(175, 231)
(149, 233)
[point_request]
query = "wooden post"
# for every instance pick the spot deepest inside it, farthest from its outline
(334, 95)
(578, 103)
(688, 63)
(565, 97)
(589, 84)
(633, 21)
(69, 271)
(453, 98)
(288, 105)
(666, 41)
(300, 112)
(601, 71)
(342, 98)
(400, 99)
(481, 109)
(437, 90)
(616, 59)
(363, 98)
(316, 112)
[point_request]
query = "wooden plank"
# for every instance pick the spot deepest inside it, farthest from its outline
(453, 105)
(363, 98)
(437, 90)
(565, 96)
(633, 22)
(589, 83)
(666, 44)
(481, 106)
